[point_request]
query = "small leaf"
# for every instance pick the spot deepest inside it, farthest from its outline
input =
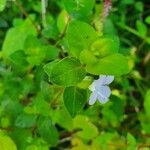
(47, 130)
(115, 64)
(106, 45)
(88, 131)
(25, 120)
(147, 20)
(141, 27)
(108, 27)
(80, 9)
(74, 99)
(80, 36)
(87, 57)
(67, 72)
(16, 37)
(48, 67)
(18, 61)
(139, 6)
(6, 143)
(35, 51)
(2, 4)
(62, 21)
(131, 142)
(63, 118)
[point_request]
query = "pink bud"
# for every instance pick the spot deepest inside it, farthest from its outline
(107, 7)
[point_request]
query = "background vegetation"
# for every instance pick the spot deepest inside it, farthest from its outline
(33, 114)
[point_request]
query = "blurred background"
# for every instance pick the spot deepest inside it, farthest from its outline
(32, 115)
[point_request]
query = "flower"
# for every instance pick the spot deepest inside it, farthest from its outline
(100, 89)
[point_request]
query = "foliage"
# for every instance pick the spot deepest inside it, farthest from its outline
(48, 60)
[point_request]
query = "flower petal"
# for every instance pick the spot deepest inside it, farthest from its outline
(104, 91)
(101, 80)
(93, 98)
(104, 80)
(103, 94)
(109, 79)
(102, 99)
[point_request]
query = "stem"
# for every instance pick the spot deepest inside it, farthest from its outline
(27, 15)
(43, 5)
(129, 29)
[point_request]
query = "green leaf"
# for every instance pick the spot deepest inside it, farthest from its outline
(67, 72)
(127, 2)
(139, 6)
(16, 37)
(6, 143)
(105, 45)
(147, 20)
(47, 130)
(25, 120)
(62, 118)
(17, 63)
(37, 147)
(87, 57)
(40, 105)
(108, 27)
(2, 4)
(113, 112)
(48, 67)
(35, 51)
(51, 52)
(88, 130)
(103, 139)
(62, 21)
(147, 103)
(74, 99)
(20, 137)
(80, 36)
(141, 27)
(115, 64)
(79, 8)
(131, 142)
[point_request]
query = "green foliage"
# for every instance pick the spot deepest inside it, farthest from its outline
(47, 130)
(74, 99)
(80, 9)
(77, 41)
(115, 64)
(6, 142)
(67, 72)
(88, 130)
(16, 37)
(50, 54)
(131, 142)
(147, 20)
(2, 5)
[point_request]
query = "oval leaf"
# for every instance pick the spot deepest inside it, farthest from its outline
(6, 143)
(47, 130)
(116, 64)
(74, 99)
(2, 4)
(67, 72)
(80, 36)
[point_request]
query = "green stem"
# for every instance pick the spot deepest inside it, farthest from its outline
(131, 30)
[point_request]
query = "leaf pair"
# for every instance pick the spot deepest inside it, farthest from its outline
(68, 73)
(99, 54)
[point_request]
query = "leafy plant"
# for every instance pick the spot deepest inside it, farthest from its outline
(53, 54)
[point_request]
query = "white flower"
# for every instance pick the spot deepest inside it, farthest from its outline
(100, 89)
